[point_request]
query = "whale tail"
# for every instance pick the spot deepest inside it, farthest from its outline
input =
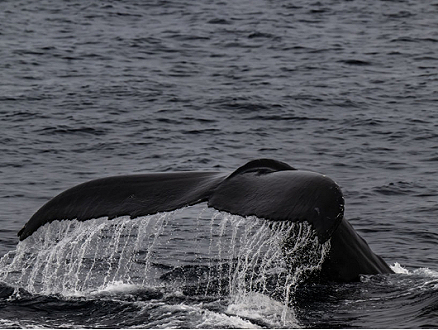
(264, 188)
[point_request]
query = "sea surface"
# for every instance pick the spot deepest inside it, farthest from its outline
(91, 89)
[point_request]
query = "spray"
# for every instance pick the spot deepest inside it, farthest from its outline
(255, 263)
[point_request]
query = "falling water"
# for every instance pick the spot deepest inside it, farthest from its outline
(227, 254)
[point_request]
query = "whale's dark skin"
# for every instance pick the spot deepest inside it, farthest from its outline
(265, 188)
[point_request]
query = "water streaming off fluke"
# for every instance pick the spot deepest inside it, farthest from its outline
(227, 254)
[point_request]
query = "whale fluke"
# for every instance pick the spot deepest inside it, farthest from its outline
(264, 188)
(133, 195)
(283, 195)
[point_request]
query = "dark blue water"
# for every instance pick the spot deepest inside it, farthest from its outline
(345, 88)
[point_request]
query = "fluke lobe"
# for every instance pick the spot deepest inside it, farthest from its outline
(265, 188)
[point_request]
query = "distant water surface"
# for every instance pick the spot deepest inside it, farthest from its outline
(345, 88)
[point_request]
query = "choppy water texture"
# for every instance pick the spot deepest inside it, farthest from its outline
(88, 90)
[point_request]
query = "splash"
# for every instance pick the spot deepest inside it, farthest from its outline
(71, 257)
(398, 269)
(257, 264)
(425, 272)
(273, 259)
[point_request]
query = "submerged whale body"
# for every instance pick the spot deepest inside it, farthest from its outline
(264, 188)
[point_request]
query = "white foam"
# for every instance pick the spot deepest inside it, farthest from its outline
(426, 272)
(220, 320)
(117, 287)
(263, 310)
(398, 269)
(9, 324)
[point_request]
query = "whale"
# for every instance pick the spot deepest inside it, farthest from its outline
(265, 188)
